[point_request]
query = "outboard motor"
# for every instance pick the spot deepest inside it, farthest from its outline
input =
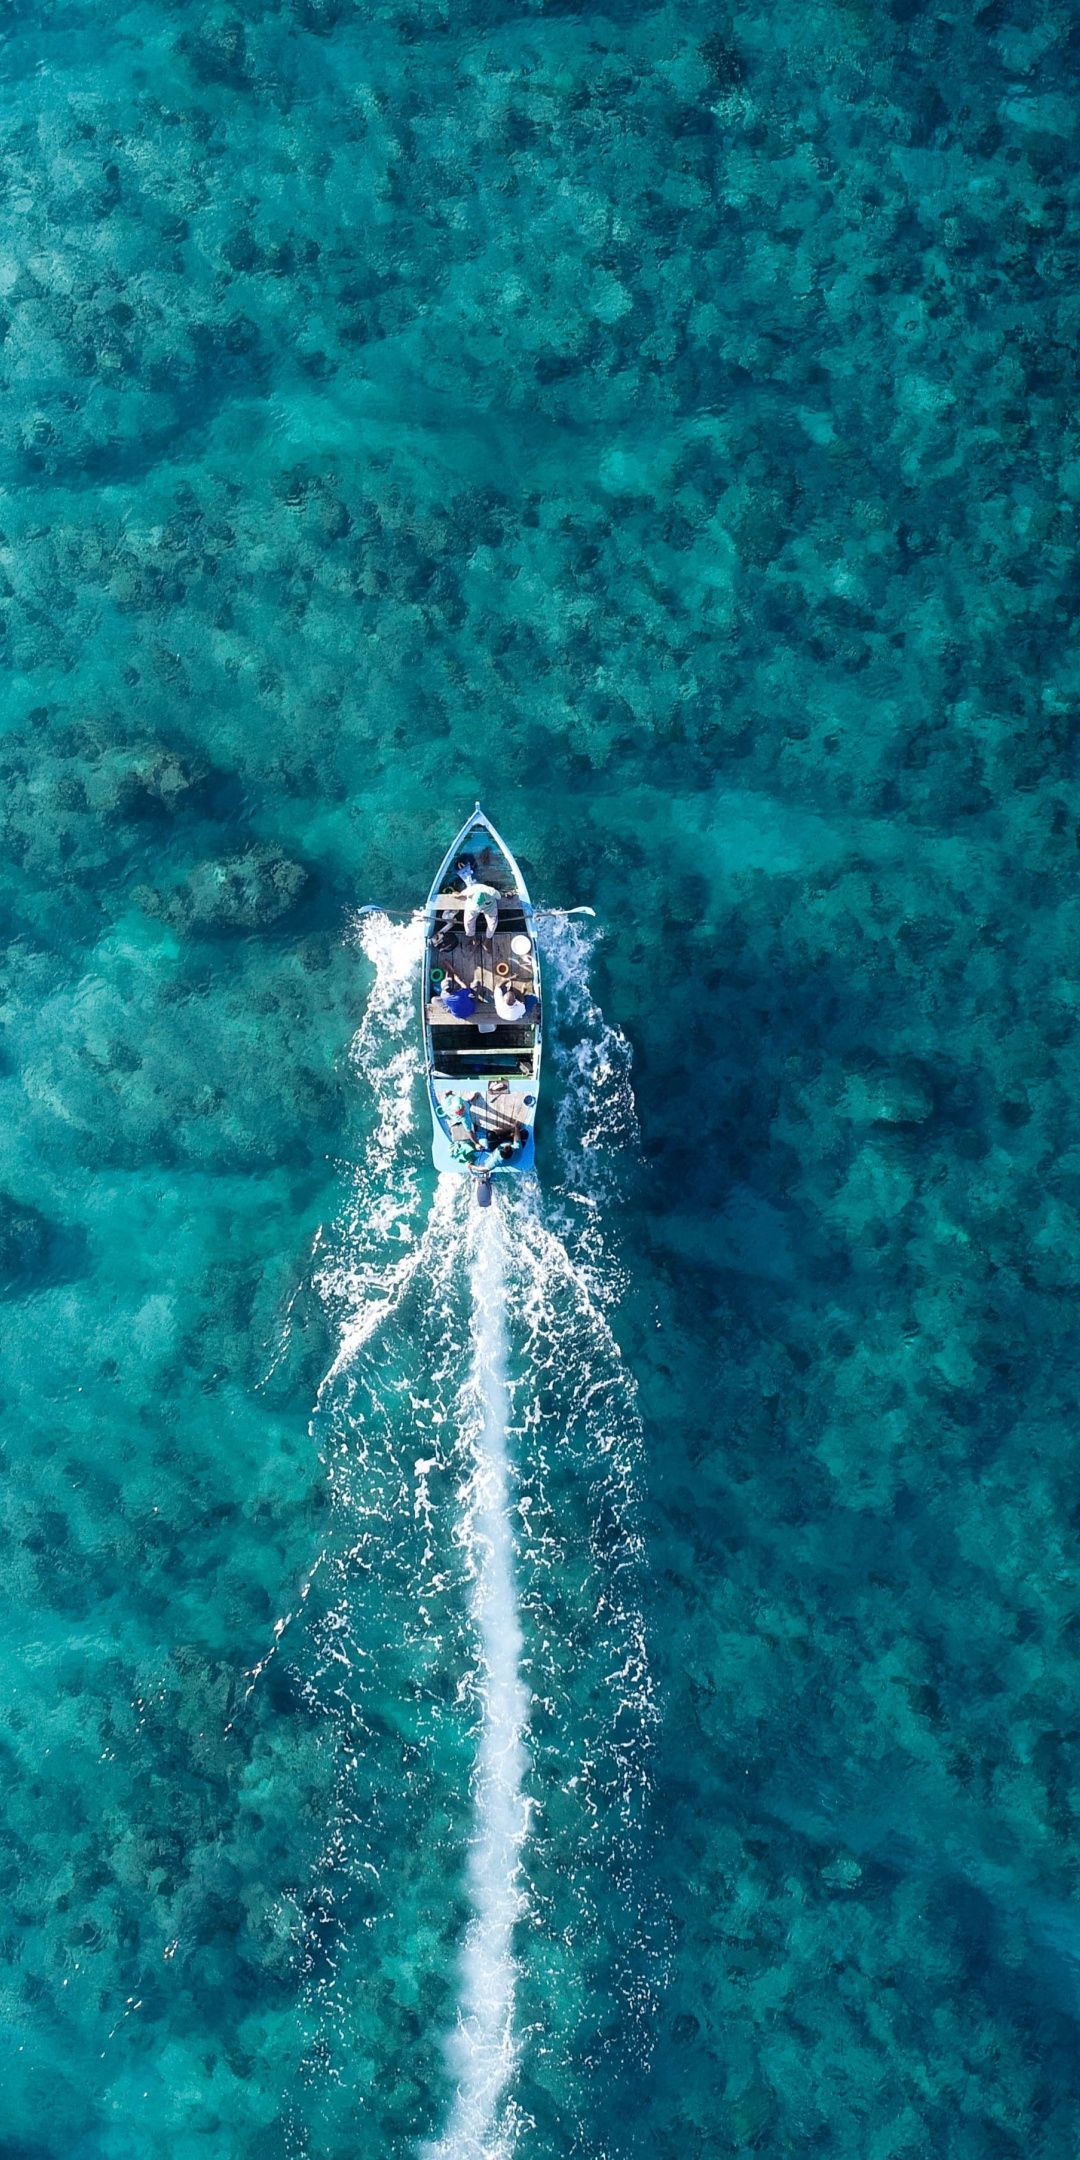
(483, 1190)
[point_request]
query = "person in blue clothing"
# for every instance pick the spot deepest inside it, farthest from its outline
(457, 997)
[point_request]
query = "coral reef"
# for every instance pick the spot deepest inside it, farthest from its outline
(660, 422)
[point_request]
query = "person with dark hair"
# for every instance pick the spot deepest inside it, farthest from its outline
(457, 996)
(508, 1004)
(512, 1143)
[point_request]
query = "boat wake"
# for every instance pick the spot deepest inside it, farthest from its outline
(483, 2046)
(478, 1645)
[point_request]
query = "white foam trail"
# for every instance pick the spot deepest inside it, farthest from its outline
(371, 1293)
(572, 1354)
(385, 1194)
(386, 1051)
(386, 1583)
(483, 2049)
(423, 1566)
(595, 1114)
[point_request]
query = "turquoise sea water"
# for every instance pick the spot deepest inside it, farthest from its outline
(599, 1681)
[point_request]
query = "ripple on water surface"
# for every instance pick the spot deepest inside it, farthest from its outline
(476, 1639)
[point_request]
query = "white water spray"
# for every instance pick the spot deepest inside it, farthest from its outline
(483, 2048)
(544, 1547)
(595, 1114)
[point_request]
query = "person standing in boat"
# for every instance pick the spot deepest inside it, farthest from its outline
(481, 905)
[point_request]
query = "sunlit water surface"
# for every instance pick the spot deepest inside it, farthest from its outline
(594, 1681)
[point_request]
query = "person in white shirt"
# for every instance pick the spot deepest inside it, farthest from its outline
(481, 905)
(508, 1005)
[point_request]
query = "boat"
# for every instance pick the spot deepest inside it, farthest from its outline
(482, 1061)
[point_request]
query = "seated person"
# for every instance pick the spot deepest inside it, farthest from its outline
(508, 1004)
(457, 997)
(481, 905)
(512, 1143)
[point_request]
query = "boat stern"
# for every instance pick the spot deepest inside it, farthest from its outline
(478, 1128)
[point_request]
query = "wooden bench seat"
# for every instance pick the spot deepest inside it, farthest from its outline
(475, 961)
(453, 903)
(501, 1034)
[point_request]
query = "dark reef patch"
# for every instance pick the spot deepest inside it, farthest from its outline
(245, 892)
(660, 422)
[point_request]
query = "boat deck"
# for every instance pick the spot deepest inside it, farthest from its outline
(492, 869)
(474, 961)
(495, 1109)
(489, 1064)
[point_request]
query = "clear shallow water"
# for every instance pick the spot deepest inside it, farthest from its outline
(481, 1596)
(660, 424)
